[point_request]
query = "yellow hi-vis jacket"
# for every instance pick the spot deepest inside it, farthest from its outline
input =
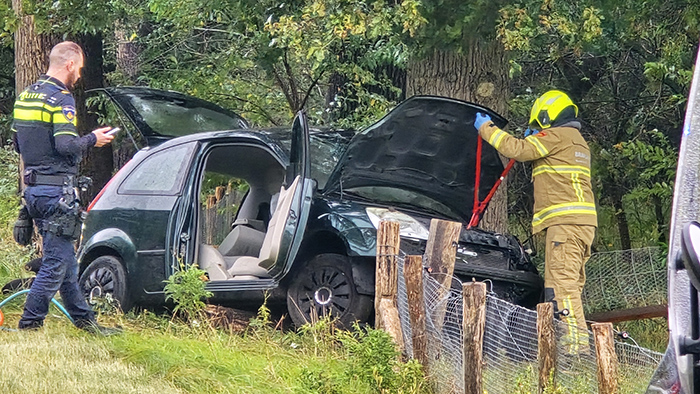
(561, 173)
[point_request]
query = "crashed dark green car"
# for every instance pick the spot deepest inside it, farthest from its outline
(304, 231)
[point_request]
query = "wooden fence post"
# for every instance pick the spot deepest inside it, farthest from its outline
(219, 193)
(413, 275)
(473, 324)
(440, 254)
(386, 311)
(546, 346)
(606, 357)
(210, 219)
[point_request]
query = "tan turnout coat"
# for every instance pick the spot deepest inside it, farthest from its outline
(561, 173)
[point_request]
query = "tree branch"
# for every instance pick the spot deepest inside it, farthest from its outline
(311, 86)
(258, 107)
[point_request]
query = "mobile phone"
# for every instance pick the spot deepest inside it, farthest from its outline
(113, 131)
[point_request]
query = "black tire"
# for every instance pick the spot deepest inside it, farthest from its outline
(106, 275)
(325, 283)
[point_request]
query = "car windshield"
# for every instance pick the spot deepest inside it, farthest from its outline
(326, 148)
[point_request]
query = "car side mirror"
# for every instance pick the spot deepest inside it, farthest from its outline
(690, 249)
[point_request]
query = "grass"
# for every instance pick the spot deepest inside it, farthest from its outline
(648, 333)
(159, 355)
(59, 359)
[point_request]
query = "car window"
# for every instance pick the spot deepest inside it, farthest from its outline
(128, 141)
(161, 173)
(172, 117)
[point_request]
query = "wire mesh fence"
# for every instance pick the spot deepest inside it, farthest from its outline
(510, 347)
(625, 279)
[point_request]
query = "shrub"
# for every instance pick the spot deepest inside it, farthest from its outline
(186, 288)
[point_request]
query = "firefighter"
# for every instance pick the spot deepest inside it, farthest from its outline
(564, 205)
(45, 134)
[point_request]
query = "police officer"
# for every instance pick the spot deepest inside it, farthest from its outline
(45, 134)
(564, 203)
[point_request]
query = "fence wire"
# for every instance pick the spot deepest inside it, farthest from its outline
(625, 279)
(510, 347)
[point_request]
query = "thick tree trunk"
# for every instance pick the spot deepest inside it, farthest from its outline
(127, 54)
(98, 163)
(479, 76)
(31, 50)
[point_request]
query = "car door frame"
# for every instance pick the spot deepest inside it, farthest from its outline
(184, 230)
(297, 218)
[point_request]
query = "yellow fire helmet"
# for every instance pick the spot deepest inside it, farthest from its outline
(550, 107)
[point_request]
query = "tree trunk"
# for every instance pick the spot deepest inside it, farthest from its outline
(622, 224)
(31, 57)
(661, 224)
(480, 76)
(98, 163)
(127, 54)
(31, 50)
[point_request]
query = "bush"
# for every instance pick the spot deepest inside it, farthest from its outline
(186, 288)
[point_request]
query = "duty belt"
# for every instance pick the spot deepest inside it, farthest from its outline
(50, 180)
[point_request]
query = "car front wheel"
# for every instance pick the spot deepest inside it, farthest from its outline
(105, 277)
(324, 287)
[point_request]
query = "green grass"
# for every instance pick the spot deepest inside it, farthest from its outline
(160, 355)
(648, 333)
(59, 359)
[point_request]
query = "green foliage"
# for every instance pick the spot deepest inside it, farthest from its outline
(198, 361)
(644, 169)
(186, 288)
(628, 67)
(12, 256)
(376, 361)
(213, 180)
(648, 333)
(268, 59)
(262, 321)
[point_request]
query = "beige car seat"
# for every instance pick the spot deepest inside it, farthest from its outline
(222, 267)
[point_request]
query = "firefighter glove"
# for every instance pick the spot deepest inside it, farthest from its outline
(480, 120)
(530, 132)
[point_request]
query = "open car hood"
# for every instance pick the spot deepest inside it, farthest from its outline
(421, 154)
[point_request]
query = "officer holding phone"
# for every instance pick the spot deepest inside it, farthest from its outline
(45, 134)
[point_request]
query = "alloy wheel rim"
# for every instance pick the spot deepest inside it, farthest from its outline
(100, 281)
(327, 291)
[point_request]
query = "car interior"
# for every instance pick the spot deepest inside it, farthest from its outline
(251, 244)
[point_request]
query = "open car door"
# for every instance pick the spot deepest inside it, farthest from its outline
(294, 199)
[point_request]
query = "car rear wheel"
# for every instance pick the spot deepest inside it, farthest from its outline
(105, 277)
(324, 287)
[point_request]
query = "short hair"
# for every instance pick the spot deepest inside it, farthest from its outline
(64, 51)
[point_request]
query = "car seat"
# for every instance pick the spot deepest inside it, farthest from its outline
(221, 267)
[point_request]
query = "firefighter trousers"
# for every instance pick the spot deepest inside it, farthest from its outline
(567, 251)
